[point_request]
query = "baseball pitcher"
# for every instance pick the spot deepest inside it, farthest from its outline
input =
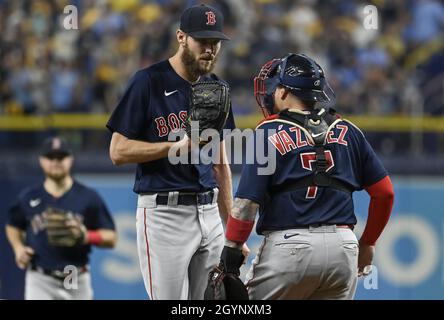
(180, 207)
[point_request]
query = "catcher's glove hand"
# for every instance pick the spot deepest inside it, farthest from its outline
(223, 281)
(62, 228)
(209, 105)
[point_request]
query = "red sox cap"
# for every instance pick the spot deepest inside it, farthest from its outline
(55, 146)
(203, 21)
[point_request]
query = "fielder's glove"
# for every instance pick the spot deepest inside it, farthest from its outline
(223, 281)
(62, 228)
(210, 106)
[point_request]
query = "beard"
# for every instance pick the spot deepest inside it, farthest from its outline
(56, 177)
(197, 67)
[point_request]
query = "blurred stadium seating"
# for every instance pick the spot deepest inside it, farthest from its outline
(391, 79)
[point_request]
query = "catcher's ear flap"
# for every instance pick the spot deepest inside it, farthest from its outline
(234, 288)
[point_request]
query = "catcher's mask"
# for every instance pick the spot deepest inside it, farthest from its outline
(298, 73)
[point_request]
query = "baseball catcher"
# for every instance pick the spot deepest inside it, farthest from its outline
(62, 228)
(223, 281)
(305, 205)
(209, 106)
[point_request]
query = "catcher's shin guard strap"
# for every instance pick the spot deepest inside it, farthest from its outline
(238, 230)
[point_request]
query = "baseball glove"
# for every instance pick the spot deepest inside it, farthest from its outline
(223, 281)
(210, 106)
(62, 228)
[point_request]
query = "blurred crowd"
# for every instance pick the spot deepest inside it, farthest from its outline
(395, 69)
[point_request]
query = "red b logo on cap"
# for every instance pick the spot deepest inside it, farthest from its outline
(56, 143)
(211, 18)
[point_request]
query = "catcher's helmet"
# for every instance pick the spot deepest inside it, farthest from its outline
(301, 75)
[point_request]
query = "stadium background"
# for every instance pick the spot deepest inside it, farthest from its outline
(389, 81)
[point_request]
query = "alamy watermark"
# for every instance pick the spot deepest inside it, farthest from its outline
(370, 21)
(71, 281)
(257, 149)
(71, 20)
(370, 280)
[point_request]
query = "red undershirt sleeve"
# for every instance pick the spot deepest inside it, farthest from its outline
(381, 203)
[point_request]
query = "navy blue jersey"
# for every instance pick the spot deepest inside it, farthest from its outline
(155, 103)
(350, 159)
(83, 202)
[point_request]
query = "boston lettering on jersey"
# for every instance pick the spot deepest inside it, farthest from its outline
(171, 123)
(155, 104)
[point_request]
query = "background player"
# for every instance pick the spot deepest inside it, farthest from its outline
(179, 210)
(309, 250)
(91, 224)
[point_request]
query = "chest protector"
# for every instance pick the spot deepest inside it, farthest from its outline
(317, 124)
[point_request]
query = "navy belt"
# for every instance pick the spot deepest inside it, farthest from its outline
(187, 199)
(338, 225)
(57, 274)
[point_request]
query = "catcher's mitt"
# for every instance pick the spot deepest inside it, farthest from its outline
(224, 286)
(62, 228)
(209, 105)
(223, 281)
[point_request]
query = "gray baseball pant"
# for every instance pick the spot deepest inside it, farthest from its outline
(315, 263)
(39, 286)
(178, 246)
